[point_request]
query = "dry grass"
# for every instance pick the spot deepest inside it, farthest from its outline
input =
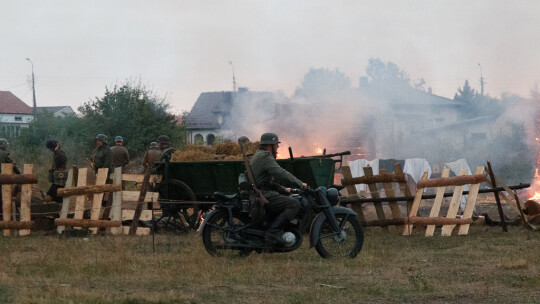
(222, 151)
(486, 266)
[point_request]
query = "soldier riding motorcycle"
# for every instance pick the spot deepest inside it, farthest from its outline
(228, 226)
(229, 230)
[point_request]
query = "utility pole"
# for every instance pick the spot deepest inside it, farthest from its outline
(481, 81)
(233, 78)
(33, 88)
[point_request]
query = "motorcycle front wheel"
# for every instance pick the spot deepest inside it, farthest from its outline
(346, 243)
(218, 237)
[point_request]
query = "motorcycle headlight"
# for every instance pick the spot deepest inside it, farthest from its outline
(332, 196)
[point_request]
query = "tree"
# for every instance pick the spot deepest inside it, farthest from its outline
(323, 82)
(134, 112)
(476, 105)
(387, 74)
(465, 94)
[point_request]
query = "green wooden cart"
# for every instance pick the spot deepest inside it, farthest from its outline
(187, 188)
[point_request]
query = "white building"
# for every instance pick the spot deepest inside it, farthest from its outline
(14, 114)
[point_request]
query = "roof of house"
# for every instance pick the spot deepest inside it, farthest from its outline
(53, 110)
(11, 104)
(208, 106)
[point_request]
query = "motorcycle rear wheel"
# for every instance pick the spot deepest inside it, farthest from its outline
(346, 244)
(217, 236)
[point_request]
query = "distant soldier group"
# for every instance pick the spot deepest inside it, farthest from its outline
(103, 156)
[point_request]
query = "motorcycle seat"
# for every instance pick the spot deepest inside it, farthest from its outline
(222, 196)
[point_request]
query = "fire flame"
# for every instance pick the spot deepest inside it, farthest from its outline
(535, 186)
(318, 150)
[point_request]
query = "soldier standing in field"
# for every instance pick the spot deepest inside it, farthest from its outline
(275, 183)
(152, 155)
(120, 155)
(4, 155)
(102, 155)
(58, 171)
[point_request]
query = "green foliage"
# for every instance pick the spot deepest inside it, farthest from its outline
(319, 82)
(133, 112)
(476, 105)
(387, 74)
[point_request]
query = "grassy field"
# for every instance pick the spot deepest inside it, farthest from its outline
(487, 266)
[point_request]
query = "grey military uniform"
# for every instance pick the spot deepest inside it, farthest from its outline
(272, 180)
(102, 158)
(120, 156)
(4, 158)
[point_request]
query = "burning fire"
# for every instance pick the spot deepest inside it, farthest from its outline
(318, 150)
(535, 186)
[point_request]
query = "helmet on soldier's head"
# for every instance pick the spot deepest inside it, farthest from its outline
(243, 139)
(269, 139)
(153, 144)
(119, 139)
(102, 137)
(51, 144)
(3, 143)
(163, 139)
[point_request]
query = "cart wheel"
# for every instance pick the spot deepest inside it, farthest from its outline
(178, 214)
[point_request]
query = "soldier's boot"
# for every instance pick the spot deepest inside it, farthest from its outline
(273, 234)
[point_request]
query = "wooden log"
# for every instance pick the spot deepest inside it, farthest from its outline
(404, 188)
(80, 200)
(454, 205)
(86, 223)
(7, 169)
(18, 179)
(499, 206)
(116, 207)
(347, 200)
(368, 171)
(65, 203)
(26, 199)
(101, 179)
(471, 203)
(373, 179)
(436, 208)
(394, 208)
(16, 225)
(453, 181)
(351, 191)
(87, 190)
(418, 221)
(516, 198)
(154, 178)
(414, 209)
(138, 209)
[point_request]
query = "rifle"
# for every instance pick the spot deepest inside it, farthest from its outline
(262, 199)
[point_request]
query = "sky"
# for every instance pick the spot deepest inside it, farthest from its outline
(182, 48)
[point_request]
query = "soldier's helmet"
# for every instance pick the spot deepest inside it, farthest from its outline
(269, 139)
(3, 143)
(163, 139)
(51, 144)
(153, 144)
(243, 139)
(102, 137)
(119, 139)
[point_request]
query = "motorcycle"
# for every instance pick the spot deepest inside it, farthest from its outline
(334, 232)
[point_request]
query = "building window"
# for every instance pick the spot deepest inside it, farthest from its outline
(18, 118)
(210, 139)
(198, 139)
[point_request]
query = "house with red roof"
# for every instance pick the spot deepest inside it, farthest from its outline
(14, 114)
